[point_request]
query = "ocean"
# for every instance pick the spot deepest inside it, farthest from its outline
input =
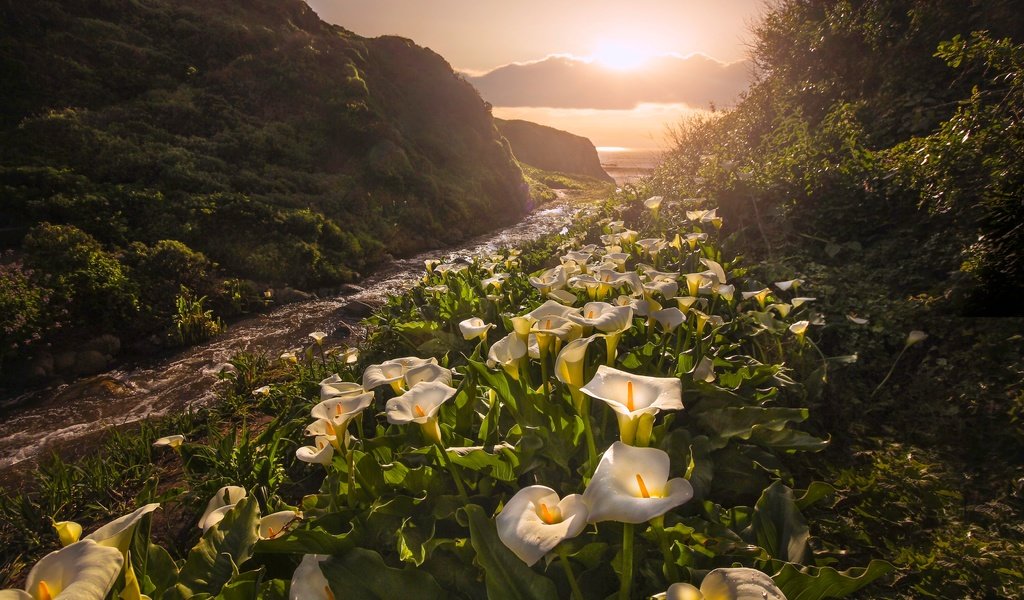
(628, 164)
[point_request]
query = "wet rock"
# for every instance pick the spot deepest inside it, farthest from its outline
(105, 344)
(64, 362)
(42, 366)
(342, 331)
(349, 289)
(288, 295)
(90, 362)
(356, 310)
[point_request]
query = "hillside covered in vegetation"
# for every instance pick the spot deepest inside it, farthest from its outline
(880, 158)
(227, 147)
(552, 149)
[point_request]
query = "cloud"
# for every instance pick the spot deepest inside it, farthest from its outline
(561, 81)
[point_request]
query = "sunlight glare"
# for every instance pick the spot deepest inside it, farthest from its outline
(621, 56)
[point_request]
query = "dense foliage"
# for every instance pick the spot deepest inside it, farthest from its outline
(247, 135)
(405, 506)
(880, 155)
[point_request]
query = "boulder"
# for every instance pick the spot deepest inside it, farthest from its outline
(106, 344)
(288, 295)
(90, 362)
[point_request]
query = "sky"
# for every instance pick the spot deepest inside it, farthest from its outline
(617, 72)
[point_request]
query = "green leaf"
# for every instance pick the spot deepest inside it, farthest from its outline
(243, 586)
(743, 422)
(778, 526)
(362, 575)
(507, 577)
(500, 466)
(215, 559)
(306, 541)
(161, 572)
(816, 583)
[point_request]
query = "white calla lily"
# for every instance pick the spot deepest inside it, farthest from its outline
(535, 520)
(669, 318)
(334, 387)
(631, 485)
(635, 399)
(420, 405)
(274, 524)
(738, 583)
(320, 453)
(318, 337)
(793, 284)
(474, 328)
(507, 352)
(426, 373)
(118, 533)
(228, 495)
(170, 441)
(84, 570)
(308, 581)
(392, 372)
(564, 297)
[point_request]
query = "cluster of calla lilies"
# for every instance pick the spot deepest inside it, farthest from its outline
(620, 289)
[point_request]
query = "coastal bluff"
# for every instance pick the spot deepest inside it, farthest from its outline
(552, 149)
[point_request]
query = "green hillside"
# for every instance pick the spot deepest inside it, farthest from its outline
(148, 144)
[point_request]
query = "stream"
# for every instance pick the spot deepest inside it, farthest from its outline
(64, 416)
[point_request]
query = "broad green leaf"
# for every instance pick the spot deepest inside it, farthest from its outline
(778, 526)
(215, 559)
(161, 572)
(244, 586)
(500, 466)
(362, 575)
(742, 422)
(816, 583)
(506, 577)
(787, 439)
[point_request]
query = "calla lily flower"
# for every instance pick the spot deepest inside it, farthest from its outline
(631, 485)
(727, 292)
(308, 581)
(321, 453)
(392, 372)
(685, 302)
(702, 321)
(715, 268)
(914, 337)
(564, 297)
(420, 405)
(628, 236)
(654, 204)
(666, 288)
(547, 329)
(170, 441)
(782, 308)
(274, 524)
(289, 357)
(84, 570)
(787, 285)
(263, 390)
(496, 281)
(118, 533)
(228, 495)
(694, 281)
(551, 308)
(334, 387)
(634, 396)
(692, 239)
(760, 295)
(318, 337)
(426, 373)
(473, 328)
(507, 352)
(554, 278)
(737, 583)
(569, 365)
(652, 246)
(669, 318)
(799, 329)
(857, 320)
(69, 532)
(796, 302)
(535, 520)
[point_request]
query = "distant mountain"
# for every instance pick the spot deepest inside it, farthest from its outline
(229, 146)
(567, 82)
(552, 149)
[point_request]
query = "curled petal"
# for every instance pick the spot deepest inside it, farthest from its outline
(535, 521)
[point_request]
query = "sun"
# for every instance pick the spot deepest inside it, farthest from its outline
(621, 56)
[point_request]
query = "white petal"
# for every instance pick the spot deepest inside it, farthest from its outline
(340, 409)
(118, 533)
(426, 373)
(274, 524)
(683, 591)
(427, 396)
(308, 581)
(84, 570)
(614, 493)
(170, 441)
(611, 386)
(739, 584)
(320, 454)
(229, 494)
(523, 531)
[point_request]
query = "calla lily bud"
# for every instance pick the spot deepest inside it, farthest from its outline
(170, 441)
(915, 336)
(739, 583)
(69, 532)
